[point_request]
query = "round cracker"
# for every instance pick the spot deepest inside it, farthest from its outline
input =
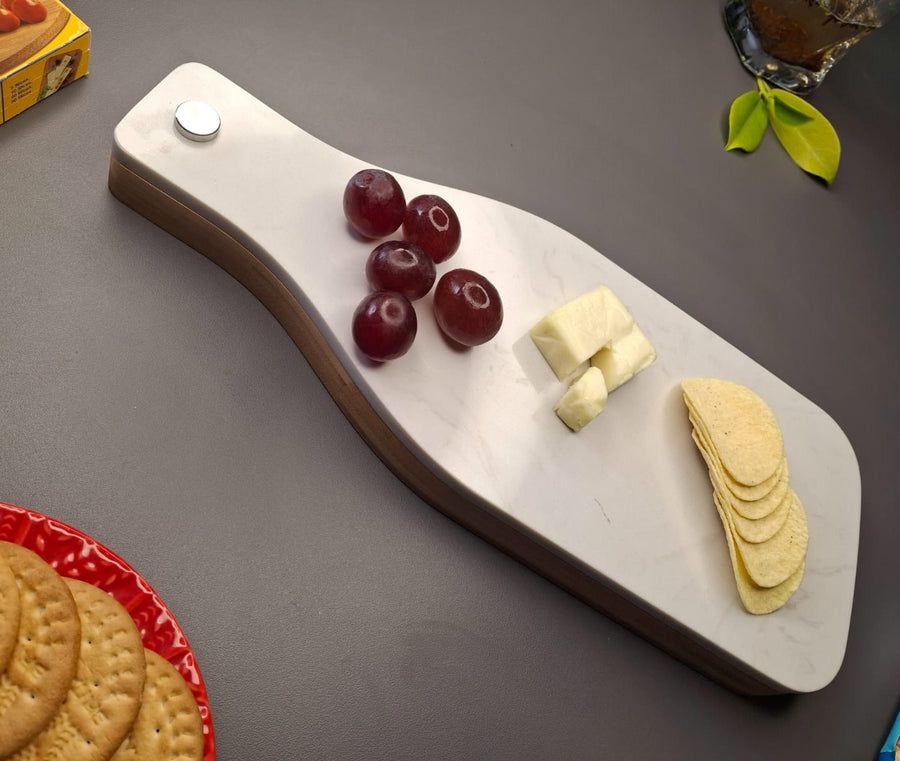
(740, 426)
(105, 695)
(168, 726)
(46, 653)
(10, 608)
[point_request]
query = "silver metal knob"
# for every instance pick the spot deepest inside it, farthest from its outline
(197, 121)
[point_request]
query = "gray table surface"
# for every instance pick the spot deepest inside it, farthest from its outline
(151, 401)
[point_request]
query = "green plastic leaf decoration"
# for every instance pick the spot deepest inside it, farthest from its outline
(747, 121)
(804, 132)
(788, 114)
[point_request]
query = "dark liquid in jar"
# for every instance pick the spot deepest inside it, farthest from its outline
(803, 33)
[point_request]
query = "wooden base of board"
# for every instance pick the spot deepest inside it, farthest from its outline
(198, 232)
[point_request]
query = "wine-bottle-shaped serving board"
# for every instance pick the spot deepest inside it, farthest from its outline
(620, 514)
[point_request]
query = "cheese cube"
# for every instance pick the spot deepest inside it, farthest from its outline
(574, 332)
(583, 400)
(624, 358)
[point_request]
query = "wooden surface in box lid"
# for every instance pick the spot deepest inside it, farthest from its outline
(19, 45)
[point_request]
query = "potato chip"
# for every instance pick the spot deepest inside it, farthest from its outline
(767, 499)
(758, 491)
(771, 562)
(765, 525)
(760, 600)
(758, 530)
(754, 529)
(740, 426)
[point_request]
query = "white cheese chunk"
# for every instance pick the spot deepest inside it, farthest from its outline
(583, 400)
(624, 358)
(571, 334)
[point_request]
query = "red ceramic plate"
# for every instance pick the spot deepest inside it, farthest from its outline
(76, 555)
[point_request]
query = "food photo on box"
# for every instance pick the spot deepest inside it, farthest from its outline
(43, 48)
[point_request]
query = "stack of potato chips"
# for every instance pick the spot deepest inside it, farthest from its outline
(764, 521)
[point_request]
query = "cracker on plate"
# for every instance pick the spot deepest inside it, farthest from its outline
(9, 613)
(45, 656)
(105, 694)
(168, 726)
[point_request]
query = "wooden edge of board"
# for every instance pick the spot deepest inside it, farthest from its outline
(199, 233)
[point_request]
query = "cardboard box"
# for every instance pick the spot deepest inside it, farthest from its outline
(37, 59)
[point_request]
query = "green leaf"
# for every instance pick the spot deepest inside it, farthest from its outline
(746, 122)
(805, 133)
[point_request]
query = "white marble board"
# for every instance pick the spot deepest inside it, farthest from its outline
(627, 497)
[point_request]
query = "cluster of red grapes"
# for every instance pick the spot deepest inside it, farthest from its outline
(467, 307)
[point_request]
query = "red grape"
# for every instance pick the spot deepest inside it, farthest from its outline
(374, 203)
(467, 307)
(401, 266)
(431, 223)
(384, 325)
